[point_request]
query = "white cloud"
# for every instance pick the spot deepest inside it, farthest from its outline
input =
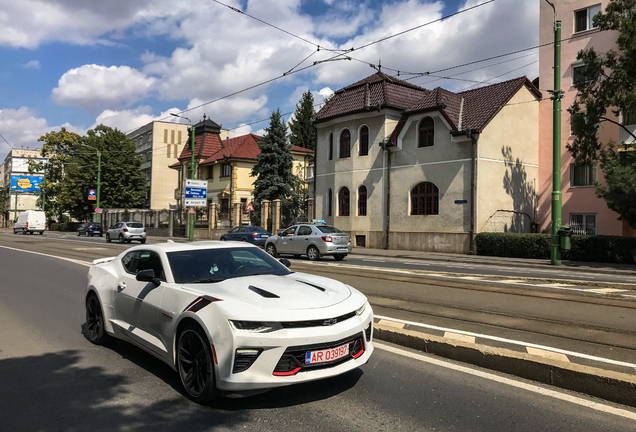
(22, 127)
(243, 129)
(33, 64)
(95, 87)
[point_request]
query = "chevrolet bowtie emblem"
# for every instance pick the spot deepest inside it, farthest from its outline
(329, 322)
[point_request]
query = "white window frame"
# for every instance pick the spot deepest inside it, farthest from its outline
(590, 15)
(582, 230)
(590, 172)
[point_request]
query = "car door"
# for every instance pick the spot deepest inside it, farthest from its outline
(115, 230)
(285, 243)
(231, 235)
(138, 304)
(301, 242)
(242, 233)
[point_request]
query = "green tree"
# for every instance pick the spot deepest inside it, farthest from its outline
(608, 85)
(273, 171)
(302, 130)
(3, 202)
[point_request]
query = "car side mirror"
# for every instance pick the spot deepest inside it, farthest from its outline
(285, 262)
(148, 276)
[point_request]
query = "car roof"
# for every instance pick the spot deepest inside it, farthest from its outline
(198, 245)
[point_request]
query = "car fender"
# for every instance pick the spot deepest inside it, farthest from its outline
(203, 320)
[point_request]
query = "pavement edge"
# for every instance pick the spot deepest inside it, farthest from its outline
(609, 385)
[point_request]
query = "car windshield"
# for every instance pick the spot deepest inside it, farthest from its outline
(134, 225)
(259, 230)
(97, 225)
(216, 265)
(328, 229)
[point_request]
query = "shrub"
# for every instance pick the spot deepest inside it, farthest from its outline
(610, 249)
(513, 245)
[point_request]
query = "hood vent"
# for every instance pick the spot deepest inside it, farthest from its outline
(262, 292)
(312, 285)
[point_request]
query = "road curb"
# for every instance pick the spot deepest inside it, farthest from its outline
(613, 386)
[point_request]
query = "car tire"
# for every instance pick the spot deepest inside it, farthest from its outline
(15, 231)
(195, 365)
(339, 257)
(101, 235)
(41, 232)
(244, 239)
(222, 238)
(313, 253)
(271, 249)
(95, 330)
(107, 238)
(30, 232)
(121, 239)
(142, 241)
(86, 234)
(128, 241)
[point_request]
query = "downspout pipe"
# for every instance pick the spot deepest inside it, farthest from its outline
(473, 134)
(387, 195)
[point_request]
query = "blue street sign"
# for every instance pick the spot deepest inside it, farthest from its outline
(92, 194)
(195, 193)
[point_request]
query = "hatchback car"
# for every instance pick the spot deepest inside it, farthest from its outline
(126, 232)
(251, 234)
(90, 229)
(311, 240)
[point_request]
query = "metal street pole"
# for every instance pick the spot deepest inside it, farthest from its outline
(15, 213)
(557, 94)
(99, 180)
(192, 177)
(42, 193)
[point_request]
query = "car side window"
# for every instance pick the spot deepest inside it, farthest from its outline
(136, 261)
(242, 230)
(129, 261)
(288, 232)
(304, 230)
(234, 230)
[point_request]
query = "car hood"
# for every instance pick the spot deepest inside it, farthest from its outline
(296, 291)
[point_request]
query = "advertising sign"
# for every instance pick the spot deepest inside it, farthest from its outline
(25, 183)
(196, 193)
(92, 194)
(21, 165)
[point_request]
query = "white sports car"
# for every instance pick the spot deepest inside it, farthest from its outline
(229, 319)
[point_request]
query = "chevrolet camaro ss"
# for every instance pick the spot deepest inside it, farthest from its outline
(229, 319)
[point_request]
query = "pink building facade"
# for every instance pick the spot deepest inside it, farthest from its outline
(582, 209)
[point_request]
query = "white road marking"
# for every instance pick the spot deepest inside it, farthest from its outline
(415, 263)
(607, 290)
(511, 341)
(374, 260)
(74, 261)
(511, 382)
(89, 249)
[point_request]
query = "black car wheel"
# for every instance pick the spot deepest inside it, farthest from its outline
(107, 238)
(244, 239)
(222, 238)
(143, 241)
(313, 253)
(271, 249)
(101, 234)
(121, 238)
(339, 257)
(195, 366)
(86, 233)
(95, 331)
(79, 233)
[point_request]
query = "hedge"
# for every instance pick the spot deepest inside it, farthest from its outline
(65, 226)
(610, 249)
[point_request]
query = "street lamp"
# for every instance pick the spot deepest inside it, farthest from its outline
(192, 176)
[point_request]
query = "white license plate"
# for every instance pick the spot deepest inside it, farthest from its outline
(264, 235)
(343, 249)
(327, 355)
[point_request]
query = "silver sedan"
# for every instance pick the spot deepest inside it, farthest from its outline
(311, 240)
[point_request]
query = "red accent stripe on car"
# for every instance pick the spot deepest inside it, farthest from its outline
(165, 314)
(200, 302)
(292, 372)
(355, 356)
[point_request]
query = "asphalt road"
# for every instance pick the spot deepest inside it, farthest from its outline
(54, 379)
(562, 273)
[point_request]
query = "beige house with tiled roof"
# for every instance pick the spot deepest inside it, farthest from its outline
(226, 163)
(403, 167)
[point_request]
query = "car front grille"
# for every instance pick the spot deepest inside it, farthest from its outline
(293, 359)
(317, 323)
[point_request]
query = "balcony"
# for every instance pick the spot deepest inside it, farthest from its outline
(145, 165)
(310, 174)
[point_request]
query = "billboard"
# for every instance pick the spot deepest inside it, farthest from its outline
(21, 183)
(21, 165)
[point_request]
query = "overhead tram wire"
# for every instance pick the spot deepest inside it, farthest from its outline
(498, 76)
(8, 143)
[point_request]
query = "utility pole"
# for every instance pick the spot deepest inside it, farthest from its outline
(42, 193)
(99, 179)
(192, 177)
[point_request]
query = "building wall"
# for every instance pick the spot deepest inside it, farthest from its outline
(575, 199)
(168, 141)
(508, 167)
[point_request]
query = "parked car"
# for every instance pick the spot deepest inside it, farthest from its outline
(251, 234)
(125, 232)
(227, 317)
(90, 229)
(311, 240)
(30, 221)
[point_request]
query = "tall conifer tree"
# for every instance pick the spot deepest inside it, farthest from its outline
(303, 133)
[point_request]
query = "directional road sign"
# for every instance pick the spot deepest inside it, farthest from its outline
(196, 193)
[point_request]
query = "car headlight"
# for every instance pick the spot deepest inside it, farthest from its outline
(360, 310)
(256, 326)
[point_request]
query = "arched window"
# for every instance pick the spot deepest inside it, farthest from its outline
(345, 144)
(330, 146)
(329, 202)
(425, 199)
(427, 132)
(364, 141)
(362, 201)
(343, 202)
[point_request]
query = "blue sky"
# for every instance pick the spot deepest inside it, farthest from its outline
(76, 64)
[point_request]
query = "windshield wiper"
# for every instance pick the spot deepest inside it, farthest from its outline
(207, 281)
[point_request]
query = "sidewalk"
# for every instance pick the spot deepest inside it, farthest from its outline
(603, 268)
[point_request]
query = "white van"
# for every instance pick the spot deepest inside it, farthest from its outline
(30, 221)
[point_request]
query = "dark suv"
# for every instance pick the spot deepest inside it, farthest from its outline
(90, 229)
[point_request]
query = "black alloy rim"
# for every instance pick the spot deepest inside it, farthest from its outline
(93, 318)
(194, 366)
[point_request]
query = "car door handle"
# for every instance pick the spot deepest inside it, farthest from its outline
(307, 239)
(121, 286)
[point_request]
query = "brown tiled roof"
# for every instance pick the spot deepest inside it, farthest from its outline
(441, 99)
(211, 145)
(242, 147)
(369, 93)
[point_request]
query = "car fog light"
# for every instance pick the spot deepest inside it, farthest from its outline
(244, 358)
